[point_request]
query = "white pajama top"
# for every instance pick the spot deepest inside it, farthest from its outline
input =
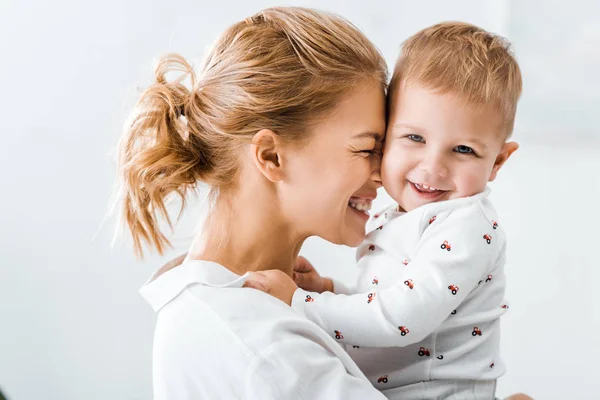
(428, 299)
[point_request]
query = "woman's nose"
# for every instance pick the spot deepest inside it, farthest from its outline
(376, 170)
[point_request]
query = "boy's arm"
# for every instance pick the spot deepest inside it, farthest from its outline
(340, 288)
(306, 277)
(452, 257)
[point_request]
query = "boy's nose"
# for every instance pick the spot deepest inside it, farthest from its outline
(434, 166)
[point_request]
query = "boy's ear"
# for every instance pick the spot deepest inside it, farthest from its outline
(507, 149)
(266, 152)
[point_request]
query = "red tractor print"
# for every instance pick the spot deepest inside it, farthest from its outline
(383, 379)
(409, 283)
(372, 247)
(375, 281)
(453, 289)
(338, 335)
(505, 306)
(405, 262)
(371, 297)
(494, 224)
(492, 365)
(379, 228)
(423, 352)
(446, 245)
(403, 330)
(489, 278)
(487, 238)
(308, 299)
(432, 219)
(476, 331)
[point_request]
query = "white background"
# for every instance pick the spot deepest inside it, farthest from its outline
(72, 325)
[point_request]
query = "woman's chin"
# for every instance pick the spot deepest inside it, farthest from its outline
(353, 237)
(355, 242)
(350, 237)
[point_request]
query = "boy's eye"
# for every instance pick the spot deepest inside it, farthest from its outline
(416, 138)
(464, 149)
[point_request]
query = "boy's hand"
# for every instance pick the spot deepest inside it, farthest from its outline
(307, 277)
(274, 282)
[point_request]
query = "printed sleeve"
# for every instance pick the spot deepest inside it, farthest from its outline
(452, 259)
(341, 288)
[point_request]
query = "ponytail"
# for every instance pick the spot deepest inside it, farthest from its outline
(157, 156)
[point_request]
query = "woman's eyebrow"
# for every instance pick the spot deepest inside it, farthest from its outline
(375, 135)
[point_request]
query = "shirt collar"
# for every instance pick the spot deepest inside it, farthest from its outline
(160, 291)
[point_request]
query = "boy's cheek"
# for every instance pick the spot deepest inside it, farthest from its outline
(391, 169)
(394, 156)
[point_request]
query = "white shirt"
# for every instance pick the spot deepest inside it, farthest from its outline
(428, 298)
(217, 340)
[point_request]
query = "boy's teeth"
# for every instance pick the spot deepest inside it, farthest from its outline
(422, 186)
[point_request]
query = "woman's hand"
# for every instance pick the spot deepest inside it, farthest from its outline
(307, 277)
(274, 282)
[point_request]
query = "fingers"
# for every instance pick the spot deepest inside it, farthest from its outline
(303, 265)
(299, 279)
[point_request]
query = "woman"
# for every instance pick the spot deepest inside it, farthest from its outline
(284, 125)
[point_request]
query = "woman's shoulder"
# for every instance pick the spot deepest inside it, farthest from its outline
(236, 340)
(256, 318)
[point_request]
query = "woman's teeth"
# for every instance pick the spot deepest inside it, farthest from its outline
(360, 205)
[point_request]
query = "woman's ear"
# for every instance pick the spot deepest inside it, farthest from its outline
(266, 152)
(507, 150)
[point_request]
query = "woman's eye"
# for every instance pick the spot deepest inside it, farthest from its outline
(371, 152)
(416, 138)
(464, 149)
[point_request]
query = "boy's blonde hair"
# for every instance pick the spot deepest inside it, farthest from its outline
(460, 58)
(281, 69)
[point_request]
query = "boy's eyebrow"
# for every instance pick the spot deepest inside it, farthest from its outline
(478, 142)
(375, 135)
(406, 125)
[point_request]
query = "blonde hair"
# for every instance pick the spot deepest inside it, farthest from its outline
(280, 69)
(460, 58)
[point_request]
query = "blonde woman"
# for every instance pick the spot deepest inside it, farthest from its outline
(284, 123)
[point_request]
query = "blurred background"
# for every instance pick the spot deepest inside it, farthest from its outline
(72, 324)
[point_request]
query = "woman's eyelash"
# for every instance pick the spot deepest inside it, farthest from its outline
(371, 152)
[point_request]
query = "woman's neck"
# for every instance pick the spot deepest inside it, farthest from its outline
(245, 233)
